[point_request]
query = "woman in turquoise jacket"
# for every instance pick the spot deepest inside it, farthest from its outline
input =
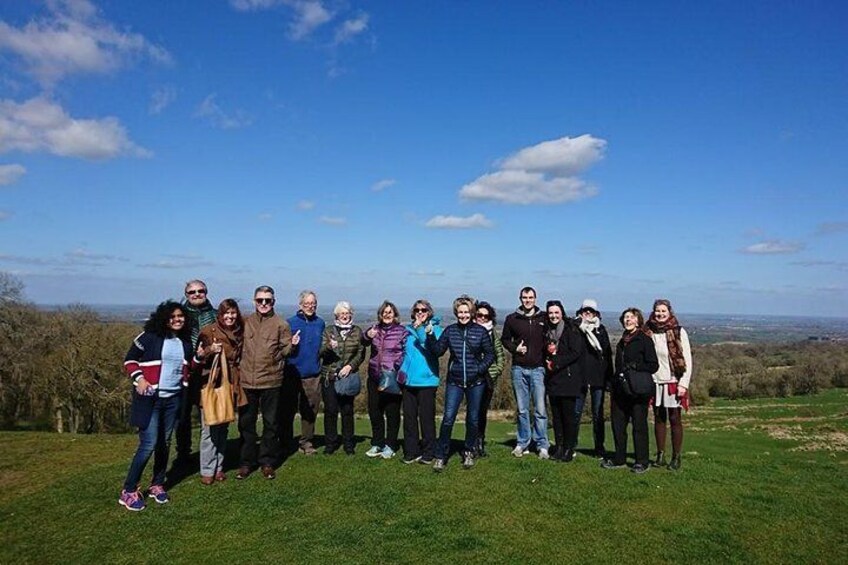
(419, 376)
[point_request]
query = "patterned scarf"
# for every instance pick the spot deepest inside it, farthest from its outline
(589, 327)
(199, 318)
(344, 329)
(671, 329)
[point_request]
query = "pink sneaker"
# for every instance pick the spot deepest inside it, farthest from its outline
(132, 501)
(158, 493)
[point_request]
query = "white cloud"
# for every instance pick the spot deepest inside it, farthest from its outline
(82, 255)
(42, 125)
(178, 264)
(305, 205)
(248, 5)
(333, 221)
(541, 174)
(73, 39)
(422, 273)
(382, 185)
(459, 222)
(160, 99)
(10, 174)
(773, 247)
(309, 15)
(351, 28)
(215, 116)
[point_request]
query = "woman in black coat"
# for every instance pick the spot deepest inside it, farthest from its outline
(597, 368)
(564, 382)
(634, 352)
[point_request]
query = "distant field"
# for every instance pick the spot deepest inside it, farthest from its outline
(763, 481)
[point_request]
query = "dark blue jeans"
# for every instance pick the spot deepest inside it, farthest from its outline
(453, 397)
(597, 416)
(154, 440)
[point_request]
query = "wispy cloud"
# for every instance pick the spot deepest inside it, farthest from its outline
(773, 247)
(40, 124)
(74, 39)
(351, 28)
(332, 220)
(821, 263)
(423, 273)
(307, 15)
(381, 185)
(545, 173)
(305, 205)
(82, 255)
(171, 264)
(10, 174)
(829, 228)
(161, 98)
(473, 221)
(210, 111)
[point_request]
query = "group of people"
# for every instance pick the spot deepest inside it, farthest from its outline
(279, 368)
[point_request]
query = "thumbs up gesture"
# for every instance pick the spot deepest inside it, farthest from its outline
(521, 348)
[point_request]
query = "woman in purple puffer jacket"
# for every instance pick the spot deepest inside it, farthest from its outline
(386, 338)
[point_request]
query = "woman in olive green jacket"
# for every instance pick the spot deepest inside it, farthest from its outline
(342, 352)
(487, 317)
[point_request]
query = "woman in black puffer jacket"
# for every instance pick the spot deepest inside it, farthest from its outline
(564, 380)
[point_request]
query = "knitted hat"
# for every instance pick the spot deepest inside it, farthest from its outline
(589, 304)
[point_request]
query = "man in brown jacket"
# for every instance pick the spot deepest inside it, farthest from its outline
(267, 342)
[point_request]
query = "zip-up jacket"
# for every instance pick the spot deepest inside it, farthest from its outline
(529, 328)
(565, 375)
(387, 348)
(267, 341)
(349, 351)
(144, 359)
(639, 354)
(471, 352)
(305, 360)
(420, 366)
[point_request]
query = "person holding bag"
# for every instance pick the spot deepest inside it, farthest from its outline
(387, 339)
(672, 380)
(219, 345)
(635, 354)
(342, 352)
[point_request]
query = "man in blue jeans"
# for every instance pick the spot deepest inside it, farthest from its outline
(524, 337)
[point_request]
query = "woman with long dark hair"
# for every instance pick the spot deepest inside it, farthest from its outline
(672, 380)
(158, 363)
(225, 336)
(634, 353)
(487, 317)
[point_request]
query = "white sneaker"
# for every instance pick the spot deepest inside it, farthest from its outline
(374, 451)
(518, 451)
(387, 453)
(543, 454)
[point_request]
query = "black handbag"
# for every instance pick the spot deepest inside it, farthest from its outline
(637, 384)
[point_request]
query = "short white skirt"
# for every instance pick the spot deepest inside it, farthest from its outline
(664, 398)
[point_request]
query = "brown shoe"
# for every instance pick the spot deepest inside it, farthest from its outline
(268, 472)
(220, 476)
(243, 472)
(207, 480)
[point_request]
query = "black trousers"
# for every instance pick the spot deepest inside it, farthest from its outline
(485, 404)
(624, 410)
(334, 405)
(564, 420)
(190, 405)
(384, 413)
(265, 400)
(419, 415)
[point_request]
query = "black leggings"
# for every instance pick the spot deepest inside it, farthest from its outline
(384, 413)
(564, 419)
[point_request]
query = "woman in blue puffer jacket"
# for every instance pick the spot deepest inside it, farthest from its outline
(471, 353)
(419, 377)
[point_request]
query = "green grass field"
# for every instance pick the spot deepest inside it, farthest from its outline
(763, 481)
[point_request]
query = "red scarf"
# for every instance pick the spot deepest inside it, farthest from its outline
(671, 328)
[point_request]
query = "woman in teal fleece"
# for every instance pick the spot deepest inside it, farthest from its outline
(419, 375)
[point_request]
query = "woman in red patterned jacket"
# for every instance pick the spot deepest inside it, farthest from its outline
(158, 362)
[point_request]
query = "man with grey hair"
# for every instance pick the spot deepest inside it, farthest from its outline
(302, 382)
(199, 313)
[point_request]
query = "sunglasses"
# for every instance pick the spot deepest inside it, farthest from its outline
(264, 300)
(196, 291)
(482, 316)
(421, 310)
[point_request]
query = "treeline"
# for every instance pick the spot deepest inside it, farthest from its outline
(63, 370)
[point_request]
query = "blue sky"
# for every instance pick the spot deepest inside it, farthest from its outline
(621, 151)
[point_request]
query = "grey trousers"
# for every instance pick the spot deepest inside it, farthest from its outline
(213, 444)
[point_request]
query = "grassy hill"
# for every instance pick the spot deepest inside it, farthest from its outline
(763, 481)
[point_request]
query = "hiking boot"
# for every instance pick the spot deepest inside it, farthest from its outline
(660, 460)
(243, 472)
(638, 468)
(374, 451)
(158, 493)
(439, 465)
(675, 463)
(268, 472)
(132, 501)
(468, 460)
(610, 464)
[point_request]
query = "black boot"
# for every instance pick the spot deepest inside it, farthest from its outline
(675, 462)
(660, 460)
(567, 456)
